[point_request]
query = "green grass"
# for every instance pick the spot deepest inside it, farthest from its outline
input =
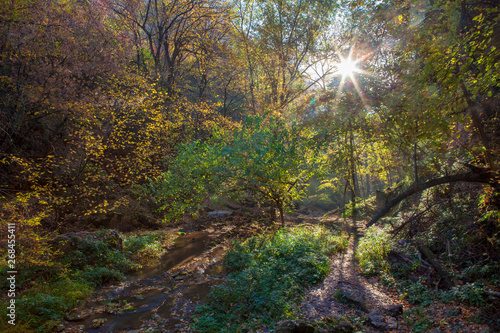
(267, 276)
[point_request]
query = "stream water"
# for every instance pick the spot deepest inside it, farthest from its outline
(161, 297)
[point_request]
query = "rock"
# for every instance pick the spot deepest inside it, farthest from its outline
(73, 316)
(338, 325)
(220, 214)
(96, 323)
(392, 323)
(377, 320)
(348, 297)
(128, 307)
(393, 310)
(290, 326)
(59, 327)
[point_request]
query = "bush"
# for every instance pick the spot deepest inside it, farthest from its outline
(372, 251)
(469, 293)
(267, 274)
(417, 292)
(49, 302)
(96, 276)
(100, 254)
(144, 247)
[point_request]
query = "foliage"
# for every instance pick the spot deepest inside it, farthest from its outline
(418, 318)
(57, 285)
(145, 246)
(276, 53)
(267, 274)
(33, 254)
(49, 302)
(79, 125)
(264, 157)
(469, 293)
(98, 252)
(418, 292)
(372, 250)
(96, 276)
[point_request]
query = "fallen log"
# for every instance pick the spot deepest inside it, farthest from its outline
(448, 282)
(485, 176)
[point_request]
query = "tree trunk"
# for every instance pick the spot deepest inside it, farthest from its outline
(280, 207)
(475, 110)
(354, 191)
(273, 211)
(485, 176)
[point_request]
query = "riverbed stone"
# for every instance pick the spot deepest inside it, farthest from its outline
(220, 214)
(98, 322)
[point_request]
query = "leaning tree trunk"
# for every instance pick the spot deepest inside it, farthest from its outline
(483, 176)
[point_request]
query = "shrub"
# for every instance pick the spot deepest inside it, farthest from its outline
(49, 302)
(417, 292)
(96, 276)
(144, 247)
(267, 274)
(469, 293)
(372, 251)
(100, 254)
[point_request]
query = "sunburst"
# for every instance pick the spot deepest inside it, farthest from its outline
(348, 68)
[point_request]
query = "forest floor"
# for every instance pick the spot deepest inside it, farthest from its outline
(370, 304)
(172, 295)
(346, 293)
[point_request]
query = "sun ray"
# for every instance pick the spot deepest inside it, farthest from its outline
(348, 69)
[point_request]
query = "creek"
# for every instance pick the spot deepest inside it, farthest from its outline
(162, 297)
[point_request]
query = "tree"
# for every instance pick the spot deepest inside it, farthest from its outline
(264, 157)
(278, 41)
(439, 89)
(173, 31)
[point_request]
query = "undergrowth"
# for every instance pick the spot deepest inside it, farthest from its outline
(53, 288)
(267, 274)
(372, 251)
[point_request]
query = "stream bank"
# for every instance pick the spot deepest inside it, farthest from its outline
(163, 297)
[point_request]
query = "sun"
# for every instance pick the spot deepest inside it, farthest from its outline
(347, 67)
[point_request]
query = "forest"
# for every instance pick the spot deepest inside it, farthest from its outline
(249, 166)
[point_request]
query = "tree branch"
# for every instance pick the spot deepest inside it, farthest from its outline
(486, 176)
